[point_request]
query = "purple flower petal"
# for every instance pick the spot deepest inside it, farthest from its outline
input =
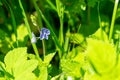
(47, 32)
(44, 33)
(46, 37)
(42, 36)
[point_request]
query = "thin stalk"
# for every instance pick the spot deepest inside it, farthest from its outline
(51, 4)
(29, 30)
(39, 15)
(79, 27)
(13, 21)
(60, 11)
(61, 40)
(41, 25)
(66, 41)
(113, 19)
(100, 20)
(61, 32)
(44, 49)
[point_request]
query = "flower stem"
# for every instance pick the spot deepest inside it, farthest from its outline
(48, 25)
(44, 49)
(29, 30)
(41, 25)
(113, 19)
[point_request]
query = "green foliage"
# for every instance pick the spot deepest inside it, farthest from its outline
(79, 29)
(48, 58)
(100, 35)
(76, 38)
(22, 35)
(92, 3)
(5, 44)
(102, 59)
(97, 52)
(7, 41)
(75, 6)
(71, 68)
(42, 70)
(74, 63)
(17, 64)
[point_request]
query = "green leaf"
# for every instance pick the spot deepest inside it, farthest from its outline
(24, 68)
(18, 65)
(89, 76)
(22, 35)
(71, 68)
(48, 58)
(116, 71)
(3, 71)
(80, 57)
(43, 73)
(76, 38)
(5, 43)
(101, 55)
(100, 35)
(15, 57)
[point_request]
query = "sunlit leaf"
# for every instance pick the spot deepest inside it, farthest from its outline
(43, 73)
(15, 57)
(48, 58)
(22, 35)
(71, 68)
(100, 34)
(76, 38)
(101, 55)
(17, 64)
(3, 72)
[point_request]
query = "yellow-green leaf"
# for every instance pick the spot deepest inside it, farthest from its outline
(101, 55)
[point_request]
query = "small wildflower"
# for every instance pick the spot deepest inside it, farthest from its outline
(33, 40)
(44, 33)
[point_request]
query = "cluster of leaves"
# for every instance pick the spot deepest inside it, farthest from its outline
(18, 64)
(91, 58)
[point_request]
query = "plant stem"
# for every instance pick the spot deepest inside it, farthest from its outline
(100, 21)
(51, 4)
(60, 11)
(29, 30)
(41, 25)
(66, 40)
(13, 21)
(39, 15)
(113, 19)
(44, 49)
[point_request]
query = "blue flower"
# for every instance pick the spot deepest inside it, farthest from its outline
(33, 40)
(44, 33)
